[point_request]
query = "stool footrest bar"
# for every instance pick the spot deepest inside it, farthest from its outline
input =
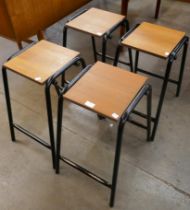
(156, 75)
(137, 124)
(142, 115)
(112, 58)
(85, 171)
(32, 136)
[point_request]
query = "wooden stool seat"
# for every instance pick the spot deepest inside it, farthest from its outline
(106, 90)
(41, 61)
(154, 39)
(95, 21)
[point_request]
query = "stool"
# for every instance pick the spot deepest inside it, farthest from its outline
(112, 93)
(38, 63)
(97, 23)
(162, 42)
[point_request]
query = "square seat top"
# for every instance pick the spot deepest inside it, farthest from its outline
(154, 39)
(41, 61)
(106, 90)
(95, 21)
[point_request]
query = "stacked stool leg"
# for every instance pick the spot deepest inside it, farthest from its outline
(112, 93)
(161, 42)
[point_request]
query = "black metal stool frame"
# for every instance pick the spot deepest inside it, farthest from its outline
(145, 90)
(166, 78)
(105, 38)
(48, 85)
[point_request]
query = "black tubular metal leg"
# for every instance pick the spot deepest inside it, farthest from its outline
(94, 48)
(182, 68)
(129, 50)
(64, 45)
(59, 126)
(126, 25)
(117, 54)
(116, 161)
(136, 61)
(65, 37)
(8, 102)
(104, 46)
(130, 59)
(50, 122)
(162, 95)
(149, 111)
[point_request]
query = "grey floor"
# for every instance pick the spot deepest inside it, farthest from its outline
(152, 176)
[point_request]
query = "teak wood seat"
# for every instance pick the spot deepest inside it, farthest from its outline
(97, 23)
(39, 63)
(111, 92)
(154, 39)
(161, 42)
